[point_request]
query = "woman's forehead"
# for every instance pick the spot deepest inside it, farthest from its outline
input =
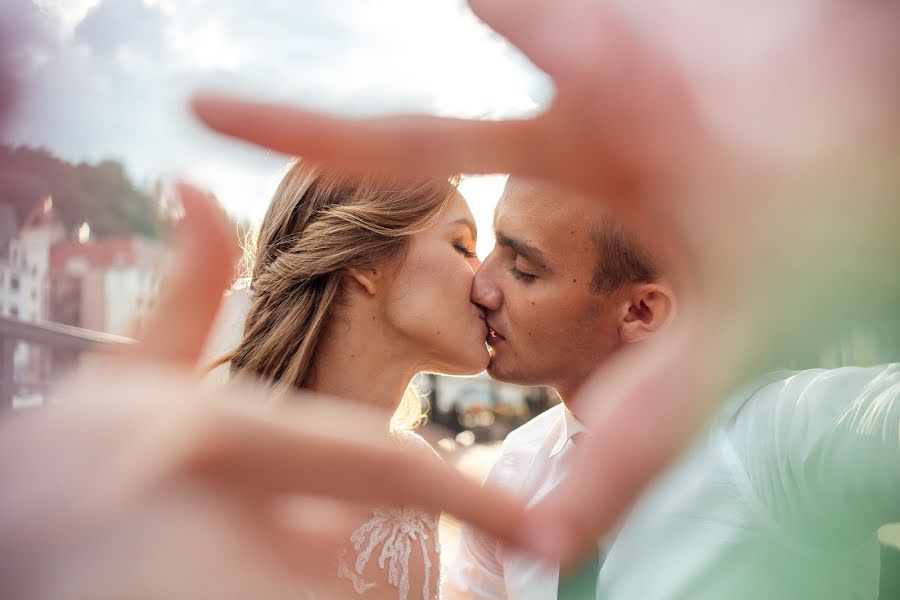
(458, 212)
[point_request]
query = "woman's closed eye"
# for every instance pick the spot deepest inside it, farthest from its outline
(464, 250)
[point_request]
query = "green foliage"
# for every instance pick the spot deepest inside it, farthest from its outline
(101, 194)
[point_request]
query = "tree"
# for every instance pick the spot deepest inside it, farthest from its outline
(101, 194)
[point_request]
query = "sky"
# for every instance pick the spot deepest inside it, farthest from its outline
(110, 79)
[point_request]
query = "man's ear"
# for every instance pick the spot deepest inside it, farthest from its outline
(648, 308)
(369, 278)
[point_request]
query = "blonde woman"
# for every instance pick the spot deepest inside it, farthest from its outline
(359, 282)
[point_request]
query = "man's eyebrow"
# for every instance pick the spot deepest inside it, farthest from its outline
(530, 253)
(468, 223)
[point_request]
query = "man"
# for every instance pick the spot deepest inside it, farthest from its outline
(564, 289)
(761, 505)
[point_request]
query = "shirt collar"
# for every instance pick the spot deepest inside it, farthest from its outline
(571, 426)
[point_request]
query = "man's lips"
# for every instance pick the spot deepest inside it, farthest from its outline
(493, 335)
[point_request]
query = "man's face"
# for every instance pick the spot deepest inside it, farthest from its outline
(548, 327)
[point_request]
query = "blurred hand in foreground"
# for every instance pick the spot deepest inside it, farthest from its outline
(760, 161)
(139, 482)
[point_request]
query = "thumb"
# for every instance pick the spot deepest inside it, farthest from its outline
(190, 294)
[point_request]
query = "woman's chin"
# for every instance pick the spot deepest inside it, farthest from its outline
(482, 360)
(473, 363)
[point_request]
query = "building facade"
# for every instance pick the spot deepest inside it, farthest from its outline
(107, 285)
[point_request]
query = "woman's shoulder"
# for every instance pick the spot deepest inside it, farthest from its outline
(408, 438)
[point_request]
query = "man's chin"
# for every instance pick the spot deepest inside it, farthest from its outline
(496, 371)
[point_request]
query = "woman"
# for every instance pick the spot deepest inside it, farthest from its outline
(358, 283)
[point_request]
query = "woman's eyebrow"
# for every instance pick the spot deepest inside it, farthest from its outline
(473, 229)
(531, 253)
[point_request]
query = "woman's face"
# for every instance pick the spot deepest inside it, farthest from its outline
(428, 301)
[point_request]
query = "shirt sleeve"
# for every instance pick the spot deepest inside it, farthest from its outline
(824, 447)
(476, 572)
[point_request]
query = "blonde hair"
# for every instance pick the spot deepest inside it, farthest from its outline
(319, 224)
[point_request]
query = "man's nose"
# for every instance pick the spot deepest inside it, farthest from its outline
(485, 291)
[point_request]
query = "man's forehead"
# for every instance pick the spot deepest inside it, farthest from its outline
(528, 204)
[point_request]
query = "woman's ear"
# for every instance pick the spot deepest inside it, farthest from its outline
(650, 306)
(367, 277)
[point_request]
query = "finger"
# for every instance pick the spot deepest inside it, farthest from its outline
(654, 406)
(405, 145)
(171, 544)
(347, 459)
(304, 534)
(190, 295)
(565, 38)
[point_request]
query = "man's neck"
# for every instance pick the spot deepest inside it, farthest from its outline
(570, 398)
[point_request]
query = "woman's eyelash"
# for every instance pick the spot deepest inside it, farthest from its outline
(465, 251)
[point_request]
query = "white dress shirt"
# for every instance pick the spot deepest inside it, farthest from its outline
(533, 460)
(780, 499)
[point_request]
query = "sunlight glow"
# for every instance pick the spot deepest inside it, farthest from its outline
(207, 47)
(482, 193)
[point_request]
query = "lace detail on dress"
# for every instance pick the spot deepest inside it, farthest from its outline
(397, 530)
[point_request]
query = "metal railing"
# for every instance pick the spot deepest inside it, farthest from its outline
(63, 344)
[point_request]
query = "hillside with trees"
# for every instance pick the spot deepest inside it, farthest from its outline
(101, 194)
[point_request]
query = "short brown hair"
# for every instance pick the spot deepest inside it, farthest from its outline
(620, 259)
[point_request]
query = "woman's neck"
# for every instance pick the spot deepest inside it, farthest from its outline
(357, 360)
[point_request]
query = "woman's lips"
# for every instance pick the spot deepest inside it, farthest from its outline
(493, 337)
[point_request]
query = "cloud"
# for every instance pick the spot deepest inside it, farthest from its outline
(110, 78)
(113, 25)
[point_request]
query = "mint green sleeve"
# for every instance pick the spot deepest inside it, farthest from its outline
(822, 448)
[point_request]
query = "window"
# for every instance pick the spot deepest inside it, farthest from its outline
(14, 311)
(14, 282)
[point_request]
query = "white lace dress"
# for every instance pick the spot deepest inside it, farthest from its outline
(396, 552)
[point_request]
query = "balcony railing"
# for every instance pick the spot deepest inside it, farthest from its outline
(62, 346)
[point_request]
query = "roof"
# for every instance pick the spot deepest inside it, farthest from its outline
(109, 253)
(42, 215)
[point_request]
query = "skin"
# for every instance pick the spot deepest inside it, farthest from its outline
(549, 327)
(427, 299)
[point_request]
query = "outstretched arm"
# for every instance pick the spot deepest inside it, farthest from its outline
(140, 482)
(756, 222)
